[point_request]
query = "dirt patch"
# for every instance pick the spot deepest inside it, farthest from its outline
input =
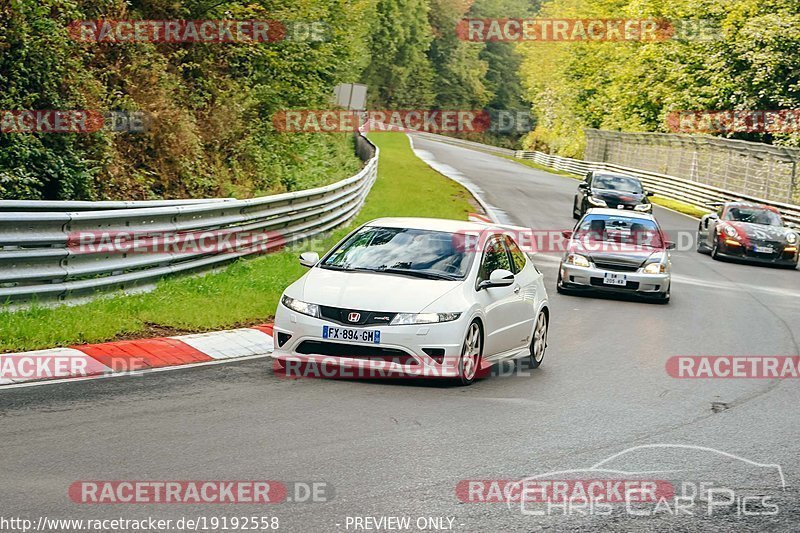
(152, 330)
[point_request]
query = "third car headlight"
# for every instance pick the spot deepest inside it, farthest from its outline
(655, 268)
(731, 232)
(643, 207)
(577, 260)
(300, 306)
(408, 319)
(597, 202)
(791, 238)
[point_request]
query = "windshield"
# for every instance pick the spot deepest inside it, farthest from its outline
(617, 183)
(620, 229)
(754, 215)
(413, 252)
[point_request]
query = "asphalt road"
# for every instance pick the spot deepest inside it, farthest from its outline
(400, 448)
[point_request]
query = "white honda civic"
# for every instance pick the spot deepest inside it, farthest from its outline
(415, 297)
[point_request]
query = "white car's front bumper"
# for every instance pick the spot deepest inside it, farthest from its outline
(401, 351)
(591, 278)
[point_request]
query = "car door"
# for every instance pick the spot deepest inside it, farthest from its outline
(527, 278)
(499, 303)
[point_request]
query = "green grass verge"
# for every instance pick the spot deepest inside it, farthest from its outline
(681, 207)
(246, 292)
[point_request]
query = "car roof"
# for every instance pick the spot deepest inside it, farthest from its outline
(752, 204)
(614, 174)
(620, 212)
(433, 224)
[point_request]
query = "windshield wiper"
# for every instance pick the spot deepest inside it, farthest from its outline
(408, 272)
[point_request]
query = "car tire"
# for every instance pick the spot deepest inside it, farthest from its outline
(715, 250)
(576, 214)
(539, 341)
(560, 289)
(471, 354)
(702, 248)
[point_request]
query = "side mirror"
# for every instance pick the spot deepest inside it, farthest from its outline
(583, 186)
(649, 193)
(567, 234)
(713, 215)
(669, 245)
(309, 259)
(498, 278)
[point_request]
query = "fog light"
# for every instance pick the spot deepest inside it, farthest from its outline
(283, 338)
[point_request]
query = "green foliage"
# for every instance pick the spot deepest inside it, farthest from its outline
(211, 104)
(400, 75)
(634, 86)
(245, 293)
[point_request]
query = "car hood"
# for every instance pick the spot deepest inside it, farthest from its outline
(619, 197)
(623, 254)
(368, 291)
(760, 231)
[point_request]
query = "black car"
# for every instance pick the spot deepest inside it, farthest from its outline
(614, 191)
(750, 232)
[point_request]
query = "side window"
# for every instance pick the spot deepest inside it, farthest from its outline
(516, 255)
(494, 256)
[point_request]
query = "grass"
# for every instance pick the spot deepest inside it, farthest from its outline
(246, 292)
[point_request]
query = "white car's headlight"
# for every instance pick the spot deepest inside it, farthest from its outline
(577, 260)
(597, 202)
(791, 238)
(300, 306)
(408, 319)
(643, 207)
(655, 268)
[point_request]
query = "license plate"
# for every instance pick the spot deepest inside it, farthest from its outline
(369, 336)
(609, 278)
(763, 249)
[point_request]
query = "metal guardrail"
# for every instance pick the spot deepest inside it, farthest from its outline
(469, 144)
(754, 169)
(688, 191)
(691, 192)
(38, 261)
(56, 205)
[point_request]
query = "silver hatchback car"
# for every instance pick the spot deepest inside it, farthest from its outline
(614, 251)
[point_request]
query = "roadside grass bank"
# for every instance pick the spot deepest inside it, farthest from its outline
(245, 293)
